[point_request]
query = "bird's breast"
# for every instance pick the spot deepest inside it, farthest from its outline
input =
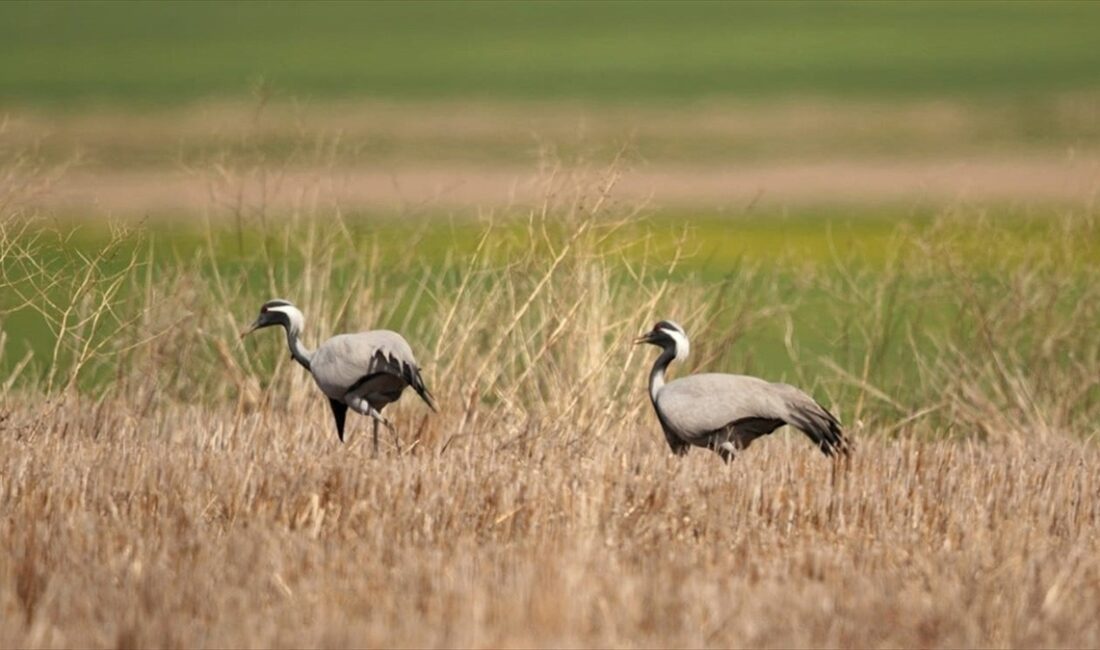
(331, 389)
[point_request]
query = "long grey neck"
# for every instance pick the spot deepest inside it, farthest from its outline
(657, 375)
(297, 350)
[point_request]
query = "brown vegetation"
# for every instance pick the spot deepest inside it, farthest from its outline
(197, 495)
(192, 527)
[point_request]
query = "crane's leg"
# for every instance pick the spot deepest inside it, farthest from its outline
(363, 407)
(396, 440)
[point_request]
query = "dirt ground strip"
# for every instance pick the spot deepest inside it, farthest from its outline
(430, 157)
(430, 188)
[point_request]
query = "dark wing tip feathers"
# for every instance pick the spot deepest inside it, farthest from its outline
(838, 442)
(823, 428)
(834, 442)
(411, 374)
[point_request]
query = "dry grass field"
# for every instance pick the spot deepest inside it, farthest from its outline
(195, 527)
(196, 495)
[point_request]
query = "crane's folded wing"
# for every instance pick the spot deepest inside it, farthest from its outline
(346, 360)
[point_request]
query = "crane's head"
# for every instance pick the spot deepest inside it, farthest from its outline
(277, 312)
(667, 334)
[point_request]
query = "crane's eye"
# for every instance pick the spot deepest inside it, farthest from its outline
(263, 310)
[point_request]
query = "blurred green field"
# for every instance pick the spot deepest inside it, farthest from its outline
(69, 54)
(684, 87)
(801, 263)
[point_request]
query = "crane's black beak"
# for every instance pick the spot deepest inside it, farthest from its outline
(645, 338)
(251, 328)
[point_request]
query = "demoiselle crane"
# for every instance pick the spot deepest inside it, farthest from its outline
(725, 413)
(363, 371)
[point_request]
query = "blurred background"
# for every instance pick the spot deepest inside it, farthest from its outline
(786, 134)
(422, 107)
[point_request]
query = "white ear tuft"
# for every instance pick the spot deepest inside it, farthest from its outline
(683, 347)
(297, 320)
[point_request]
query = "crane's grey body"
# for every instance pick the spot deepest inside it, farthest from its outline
(726, 413)
(375, 363)
(363, 371)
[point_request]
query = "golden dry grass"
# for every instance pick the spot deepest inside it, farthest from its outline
(189, 527)
(196, 496)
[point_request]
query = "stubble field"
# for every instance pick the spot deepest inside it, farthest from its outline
(193, 493)
(134, 530)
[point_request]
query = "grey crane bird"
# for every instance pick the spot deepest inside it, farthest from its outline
(725, 413)
(363, 371)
